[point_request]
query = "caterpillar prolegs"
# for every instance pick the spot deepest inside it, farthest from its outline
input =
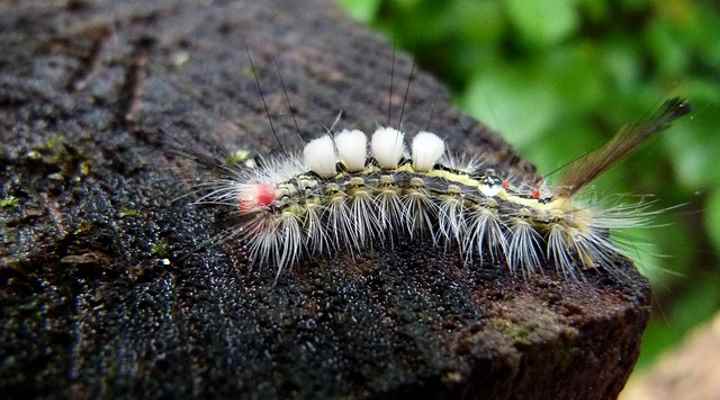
(346, 193)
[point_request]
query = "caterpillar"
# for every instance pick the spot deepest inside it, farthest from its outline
(347, 192)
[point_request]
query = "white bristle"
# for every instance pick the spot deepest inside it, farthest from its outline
(352, 148)
(319, 156)
(427, 148)
(387, 147)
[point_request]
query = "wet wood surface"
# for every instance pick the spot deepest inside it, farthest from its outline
(107, 290)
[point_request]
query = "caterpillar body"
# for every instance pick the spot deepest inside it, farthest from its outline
(343, 194)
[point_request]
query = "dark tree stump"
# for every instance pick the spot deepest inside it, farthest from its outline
(100, 298)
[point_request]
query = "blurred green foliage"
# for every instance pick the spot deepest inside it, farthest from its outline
(558, 77)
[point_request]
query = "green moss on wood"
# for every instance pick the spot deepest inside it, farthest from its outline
(160, 249)
(9, 203)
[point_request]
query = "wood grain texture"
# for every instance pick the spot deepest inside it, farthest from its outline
(92, 92)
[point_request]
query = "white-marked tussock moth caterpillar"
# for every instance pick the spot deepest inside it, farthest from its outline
(348, 192)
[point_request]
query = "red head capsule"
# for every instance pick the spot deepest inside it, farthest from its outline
(256, 196)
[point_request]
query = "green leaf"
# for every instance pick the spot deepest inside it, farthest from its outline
(641, 246)
(635, 5)
(712, 218)
(692, 145)
(668, 49)
(543, 22)
(362, 10)
(562, 142)
(478, 22)
(596, 10)
(696, 305)
(574, 72)
(706, 25)
(512, 103)
(622, 61)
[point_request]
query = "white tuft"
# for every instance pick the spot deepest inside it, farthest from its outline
(387, 147)
(352, 148)
(319, 156)
(524, 248)
(558, 249)
(485, 235)
(467, 164)
(427, 148)
(451, 219)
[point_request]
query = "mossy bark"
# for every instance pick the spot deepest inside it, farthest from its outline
(102, 293)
